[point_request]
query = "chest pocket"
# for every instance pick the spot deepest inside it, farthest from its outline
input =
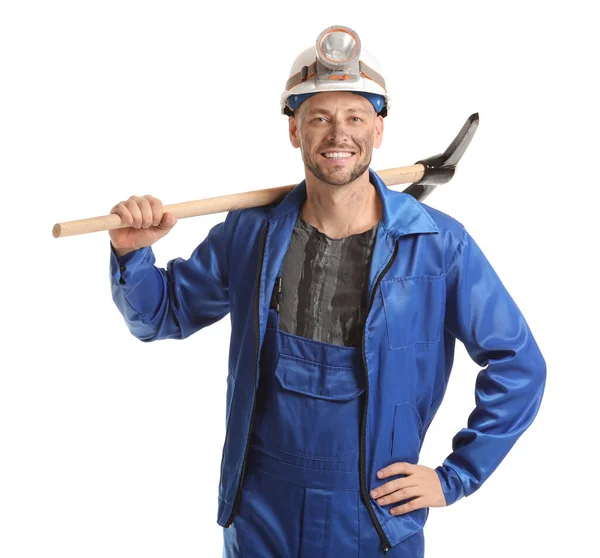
(316, 411)
(414, 309)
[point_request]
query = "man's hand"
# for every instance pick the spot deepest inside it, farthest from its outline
(148, 223)
(421, 483)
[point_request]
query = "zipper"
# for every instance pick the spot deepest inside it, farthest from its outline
(277, 295)
(385, 543)
(263, 242)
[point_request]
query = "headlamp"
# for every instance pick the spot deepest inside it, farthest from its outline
(338, 51)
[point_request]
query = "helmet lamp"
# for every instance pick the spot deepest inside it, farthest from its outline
(338, 51)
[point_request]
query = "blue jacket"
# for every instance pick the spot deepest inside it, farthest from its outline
(429, 284)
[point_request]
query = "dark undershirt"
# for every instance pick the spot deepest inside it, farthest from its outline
(324, 283)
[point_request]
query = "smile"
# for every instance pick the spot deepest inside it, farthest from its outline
(337, 154)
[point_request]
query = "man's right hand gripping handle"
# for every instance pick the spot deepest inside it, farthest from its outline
(148, 224)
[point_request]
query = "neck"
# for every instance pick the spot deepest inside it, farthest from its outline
(340, 211)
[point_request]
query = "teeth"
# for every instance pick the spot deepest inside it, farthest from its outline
(337, 155)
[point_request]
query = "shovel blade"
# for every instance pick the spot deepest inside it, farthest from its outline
(439, 169)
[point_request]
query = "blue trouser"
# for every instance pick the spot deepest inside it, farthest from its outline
(301, 494)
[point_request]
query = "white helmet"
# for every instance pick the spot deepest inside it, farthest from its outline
(335, 63)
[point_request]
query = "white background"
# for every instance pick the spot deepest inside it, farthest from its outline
(112, 447)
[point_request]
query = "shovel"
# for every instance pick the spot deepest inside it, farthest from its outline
(424, 177)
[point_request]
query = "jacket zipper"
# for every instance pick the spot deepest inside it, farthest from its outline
(385, 543)
(263, 241)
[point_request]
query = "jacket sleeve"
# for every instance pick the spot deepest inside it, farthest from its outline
(508, 392)
(175, 302)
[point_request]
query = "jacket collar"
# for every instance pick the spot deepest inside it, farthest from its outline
(402, 213)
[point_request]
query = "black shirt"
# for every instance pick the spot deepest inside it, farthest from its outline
(324, 284)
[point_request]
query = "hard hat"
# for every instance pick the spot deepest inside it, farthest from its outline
(336, 63)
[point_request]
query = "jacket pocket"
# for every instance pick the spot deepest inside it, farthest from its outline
(316, 409)
(407, 433)
(414, 309)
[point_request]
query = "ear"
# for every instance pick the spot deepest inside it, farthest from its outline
(293, 128)
(378, 132)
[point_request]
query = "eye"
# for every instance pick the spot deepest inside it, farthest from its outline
(319, 119)
(356, 119)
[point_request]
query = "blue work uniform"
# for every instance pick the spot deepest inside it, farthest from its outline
(429, 284)
(301, 495)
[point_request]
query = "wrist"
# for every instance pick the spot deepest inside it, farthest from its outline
(120, 252)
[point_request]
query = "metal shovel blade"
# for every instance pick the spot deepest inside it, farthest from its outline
(439, 169)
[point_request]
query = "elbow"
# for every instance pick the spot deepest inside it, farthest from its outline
(148, 339)
(537, 381)
(541, 372)
(143, 332)
(533, 365)
(537, 365)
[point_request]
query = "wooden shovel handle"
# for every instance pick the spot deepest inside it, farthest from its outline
(254, 198)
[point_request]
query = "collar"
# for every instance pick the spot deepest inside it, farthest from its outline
(402, 213)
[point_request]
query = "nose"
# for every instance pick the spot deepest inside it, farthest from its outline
(337, 130)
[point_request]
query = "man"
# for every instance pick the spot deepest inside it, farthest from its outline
(346, 299)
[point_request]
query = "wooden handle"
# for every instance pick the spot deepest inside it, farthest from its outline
(254, 198)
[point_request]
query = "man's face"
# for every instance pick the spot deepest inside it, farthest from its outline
(336, 132)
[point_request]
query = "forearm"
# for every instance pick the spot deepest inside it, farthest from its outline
(139, 290)
(508, 391)
(508, 394)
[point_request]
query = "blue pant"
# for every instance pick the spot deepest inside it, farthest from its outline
(301, 493)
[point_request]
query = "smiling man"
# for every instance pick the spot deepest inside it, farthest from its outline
(346, 300)
(336, 117)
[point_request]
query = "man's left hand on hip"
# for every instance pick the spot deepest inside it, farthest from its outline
(421, 483)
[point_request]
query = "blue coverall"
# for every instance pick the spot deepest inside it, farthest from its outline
(301, 495)
(330, 417)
